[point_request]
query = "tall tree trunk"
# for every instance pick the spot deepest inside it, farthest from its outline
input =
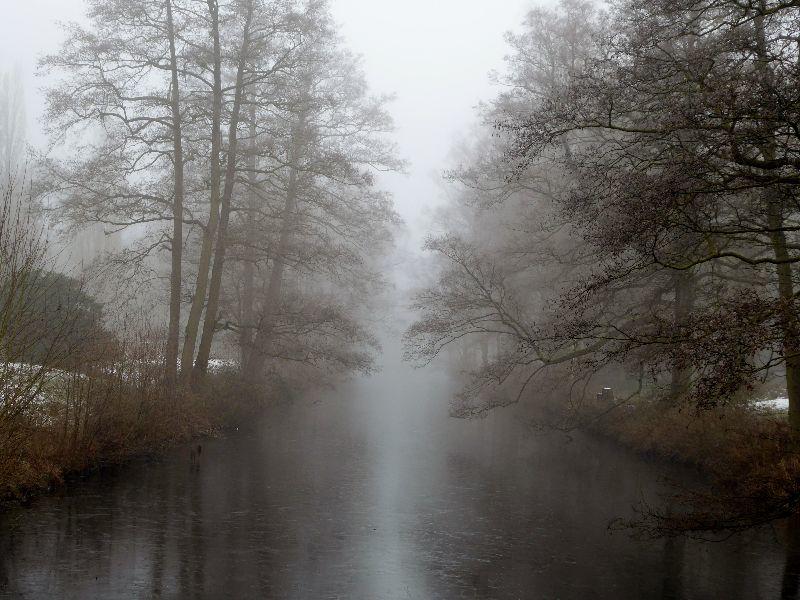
(247, 312)
(171, 366)
(201, 286)
(210, 322)
(272, 300)
(776, 224)
(684, 305)
(789, 324)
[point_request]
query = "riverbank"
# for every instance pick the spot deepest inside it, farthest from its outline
(370, 490)
(747, 455)
(111, 423)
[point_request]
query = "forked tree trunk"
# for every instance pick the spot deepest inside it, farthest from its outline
(210, 322)
(201, 285)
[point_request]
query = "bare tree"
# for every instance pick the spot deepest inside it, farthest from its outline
(271, 44)
(121, 95)
(330, 216)
(685, 170)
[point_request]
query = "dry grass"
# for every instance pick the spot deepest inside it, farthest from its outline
(77, 402)
(107, 415)
(750, 458)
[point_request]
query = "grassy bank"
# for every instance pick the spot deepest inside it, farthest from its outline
(81, 421)
(748, 455)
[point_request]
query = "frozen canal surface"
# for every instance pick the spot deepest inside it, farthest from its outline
(372, 492)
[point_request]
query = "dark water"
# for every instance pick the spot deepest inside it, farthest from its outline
(370, 493)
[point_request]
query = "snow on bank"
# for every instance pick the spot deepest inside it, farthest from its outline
(780, 403)
(219, 365)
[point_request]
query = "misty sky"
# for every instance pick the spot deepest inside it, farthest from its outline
(434, 54)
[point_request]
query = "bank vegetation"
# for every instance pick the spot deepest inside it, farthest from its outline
(230, 149)
(625, 215)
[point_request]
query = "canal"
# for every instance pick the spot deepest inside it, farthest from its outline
(372, 492)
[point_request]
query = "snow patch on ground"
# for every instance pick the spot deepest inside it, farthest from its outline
(218, 365)
(779, 403)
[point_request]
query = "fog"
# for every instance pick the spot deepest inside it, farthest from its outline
(370, 299)
(434, 57)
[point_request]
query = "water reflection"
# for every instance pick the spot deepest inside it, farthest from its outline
(374, 493)
(791, 572)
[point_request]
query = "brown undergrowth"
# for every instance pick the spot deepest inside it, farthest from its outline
(749, 459)
(103, 418)
(80, 388)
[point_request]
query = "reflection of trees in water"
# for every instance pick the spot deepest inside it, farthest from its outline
(791, 571)
(7, 576)
(673, 568)
(316, 506)
(222, 532)
(191, 548)
(538, 523)
(198, 546)
(162, 512)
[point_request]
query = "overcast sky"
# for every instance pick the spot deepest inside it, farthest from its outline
(434, 54)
